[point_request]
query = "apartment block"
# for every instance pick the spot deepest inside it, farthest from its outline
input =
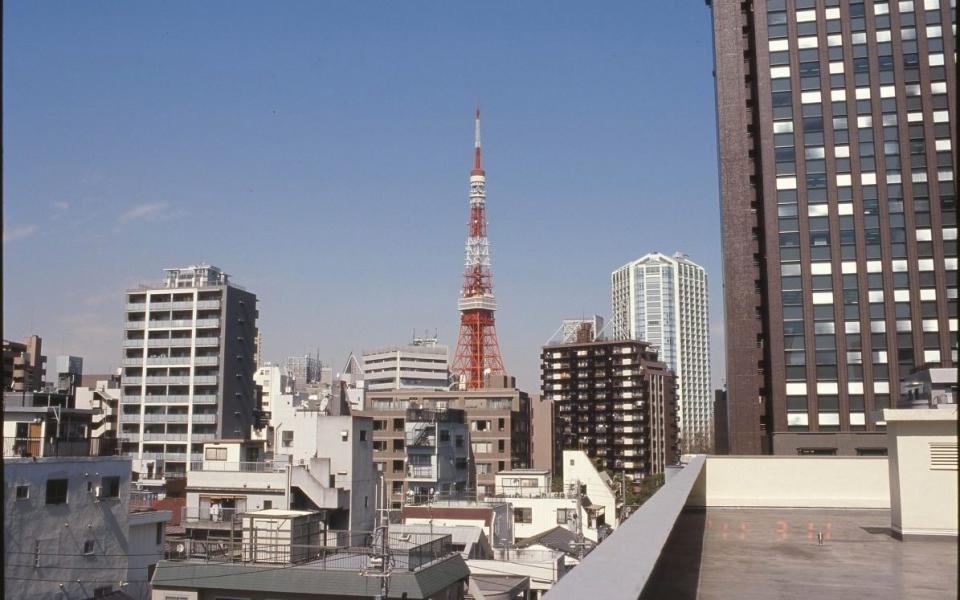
(188, 368)
(837, 157)
(24, 365)
(615, 401)
(438, 453)
(498, 418)
(662, 300)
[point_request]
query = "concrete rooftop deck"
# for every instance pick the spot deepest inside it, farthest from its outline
(773, 553)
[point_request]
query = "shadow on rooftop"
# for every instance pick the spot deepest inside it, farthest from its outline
(676, 575)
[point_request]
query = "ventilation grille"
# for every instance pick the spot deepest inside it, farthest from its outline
(943, 456)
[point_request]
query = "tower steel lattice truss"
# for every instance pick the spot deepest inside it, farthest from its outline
(478, 352)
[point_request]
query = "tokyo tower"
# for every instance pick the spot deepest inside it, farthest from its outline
(478, 352)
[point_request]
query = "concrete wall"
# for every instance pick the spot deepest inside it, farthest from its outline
(237, 366)
(59, 531)
(923, 479)
(799, 481)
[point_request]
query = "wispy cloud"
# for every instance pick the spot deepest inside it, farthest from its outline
(18, 233)
(61, 205)
(147, 211)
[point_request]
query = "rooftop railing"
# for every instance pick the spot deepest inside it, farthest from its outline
(331, 550)
(34, 447)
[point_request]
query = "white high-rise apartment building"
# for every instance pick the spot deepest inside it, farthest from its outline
(421, 364)
(188, 364)
(662, 300)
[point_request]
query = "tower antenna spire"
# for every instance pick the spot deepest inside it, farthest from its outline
(478, 351)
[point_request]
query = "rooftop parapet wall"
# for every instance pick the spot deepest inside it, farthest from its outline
(794, 482)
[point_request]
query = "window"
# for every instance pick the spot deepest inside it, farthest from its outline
(484, 468)
(221, 453)
(871, 451)
(523, 515)
(397, 445)
(88, 547)
(501, 424)
(566, 515)
(286, 439)
(501, 446)
(481, 425)
(398, 424)
(23, 492)
(363, 435)
(56, 491)
(817, 451)
(380, 445)
(397, 466)
(458, 441)
(158, 532)
(110, 487)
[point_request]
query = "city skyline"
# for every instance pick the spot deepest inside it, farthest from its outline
(264, 165)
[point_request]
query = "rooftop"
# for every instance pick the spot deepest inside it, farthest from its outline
(761, 553)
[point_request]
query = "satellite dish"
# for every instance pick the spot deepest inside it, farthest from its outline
(181, 547)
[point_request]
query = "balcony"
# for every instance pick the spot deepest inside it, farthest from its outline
(205, 399)
(206, 361)
(166, 399)
(217, 466)
(168, 380)
(168, 360)
(135, 307)
(171, 343)
(208, 305)
(204, 437)
(134, 324)
(132, 380)
(133, 343)
(205, 380)
(164, 437)
(208, 323)
(207, 341)
(204, 419)
(133, 362)
(170, 323)
(427, 472)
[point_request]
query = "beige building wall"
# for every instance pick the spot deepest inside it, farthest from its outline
(795, 482)
(923, 470)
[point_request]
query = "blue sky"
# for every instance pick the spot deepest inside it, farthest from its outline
(319, 152)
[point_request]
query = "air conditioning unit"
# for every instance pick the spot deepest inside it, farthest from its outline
(98, 492)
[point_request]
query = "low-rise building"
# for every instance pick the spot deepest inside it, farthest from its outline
(929, 388)
(69, 531)
(494, 517)
(39, 424)
(319, 462)
(303, 563)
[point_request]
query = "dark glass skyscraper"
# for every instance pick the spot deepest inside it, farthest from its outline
(838, 201)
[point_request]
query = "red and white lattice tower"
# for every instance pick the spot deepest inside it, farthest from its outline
(478, 352)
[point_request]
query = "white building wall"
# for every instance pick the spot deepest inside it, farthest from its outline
(663, 300)
(406, 367)
(145, 542)
(577, 468)
(53, 535)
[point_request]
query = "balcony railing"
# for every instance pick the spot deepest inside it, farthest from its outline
(204, 342)
(239, 467)
(417, 472)
(133, 343)
(26, 447)
(168, 360)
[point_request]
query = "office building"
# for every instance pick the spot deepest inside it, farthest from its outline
(614, 400)
(838, 207)
(421, 364)
(662, 300)
(187, 368)
(498, 417)
(303, 371)
(24, 366)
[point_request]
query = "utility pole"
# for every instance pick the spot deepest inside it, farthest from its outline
(379, 565)
(580, 544)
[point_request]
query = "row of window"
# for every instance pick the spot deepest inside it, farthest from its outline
(56, 490)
